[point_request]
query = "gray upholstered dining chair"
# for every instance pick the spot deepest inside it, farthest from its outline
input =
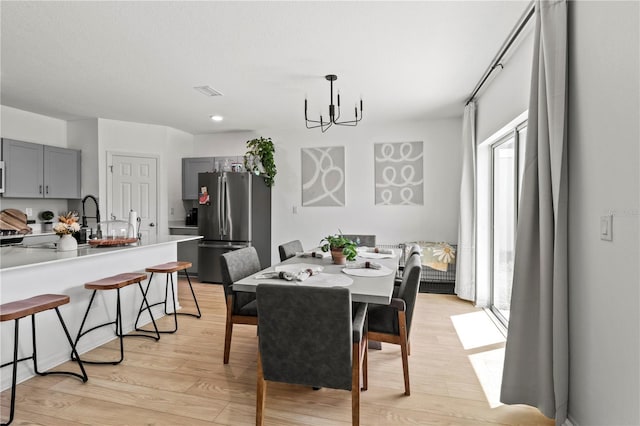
(392, 323)
(362, 240)
(414, 249)
(311, 336)
(241, 306)
(288, 250)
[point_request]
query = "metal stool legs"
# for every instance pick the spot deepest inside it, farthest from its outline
(15, 361)
(118, 323)
(175, 313)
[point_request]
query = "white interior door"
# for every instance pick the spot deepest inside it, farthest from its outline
(133, 187)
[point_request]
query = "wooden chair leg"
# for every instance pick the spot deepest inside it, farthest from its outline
(355, 384)
(261, 394)
(402, 320)
(228, 330)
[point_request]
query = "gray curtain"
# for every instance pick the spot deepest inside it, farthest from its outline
(466, 262)
(536, 365)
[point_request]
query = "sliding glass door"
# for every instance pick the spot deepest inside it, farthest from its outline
(507, 168)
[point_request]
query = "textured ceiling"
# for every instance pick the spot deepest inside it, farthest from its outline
(139, 61)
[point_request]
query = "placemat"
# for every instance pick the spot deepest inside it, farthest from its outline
(368, 272)
(372, 255)
(329, 280)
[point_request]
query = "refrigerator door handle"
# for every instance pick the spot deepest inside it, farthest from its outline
(225, 205)
(219, 205)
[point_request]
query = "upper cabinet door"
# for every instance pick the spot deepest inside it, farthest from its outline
(23, 167)
(190, 169)
(61, 173)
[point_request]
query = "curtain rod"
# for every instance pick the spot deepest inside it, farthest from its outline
(515, 32)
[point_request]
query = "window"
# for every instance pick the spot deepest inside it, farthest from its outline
(507, 167)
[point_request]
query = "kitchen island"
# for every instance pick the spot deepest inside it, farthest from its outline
(27, 272)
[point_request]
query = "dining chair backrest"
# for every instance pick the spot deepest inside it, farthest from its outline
(362, 240)
(238, 264)
(415, 249)
(408, 290)
(305, 335)
(289, 250)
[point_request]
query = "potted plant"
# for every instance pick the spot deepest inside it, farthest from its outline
(342, 249)
(46, 216)
(259, 158)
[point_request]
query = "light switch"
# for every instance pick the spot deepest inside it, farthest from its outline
(606, 225)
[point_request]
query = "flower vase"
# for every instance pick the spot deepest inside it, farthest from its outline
(67, 243)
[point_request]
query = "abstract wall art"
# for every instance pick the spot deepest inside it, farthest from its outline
(323, 176)
(399, 174)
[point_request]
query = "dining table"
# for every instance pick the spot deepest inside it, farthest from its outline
(368, 285)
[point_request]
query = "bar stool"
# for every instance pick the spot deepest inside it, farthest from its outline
(110, 283)
(22, 308)
(169, 268)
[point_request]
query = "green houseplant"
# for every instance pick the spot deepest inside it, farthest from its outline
(259, 159)
(342, 249)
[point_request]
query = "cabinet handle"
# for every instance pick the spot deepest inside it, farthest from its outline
(47, 189)
(40, 189)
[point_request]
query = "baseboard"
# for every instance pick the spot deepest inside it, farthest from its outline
(570, 422)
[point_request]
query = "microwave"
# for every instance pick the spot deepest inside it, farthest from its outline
(1, 177)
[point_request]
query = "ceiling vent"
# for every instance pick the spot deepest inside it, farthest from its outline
(208, 91)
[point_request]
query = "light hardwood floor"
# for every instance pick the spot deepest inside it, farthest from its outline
(181, 380)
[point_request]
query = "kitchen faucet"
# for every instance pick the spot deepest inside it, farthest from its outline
(96, 217)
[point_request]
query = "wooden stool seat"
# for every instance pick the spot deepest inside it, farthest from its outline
(116, 281)
(30, 307)
(33, 305)
(169, 267)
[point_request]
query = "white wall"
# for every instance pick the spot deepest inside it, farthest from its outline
(437, 220)
(506, 93)
(170, 145)
(30, 127)
(83, 135)
(604, 153)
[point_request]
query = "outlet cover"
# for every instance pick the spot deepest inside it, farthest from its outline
(606, 228)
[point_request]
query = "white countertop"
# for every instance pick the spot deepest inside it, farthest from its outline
(14, 257)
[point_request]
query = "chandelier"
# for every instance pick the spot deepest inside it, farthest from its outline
(334, 113)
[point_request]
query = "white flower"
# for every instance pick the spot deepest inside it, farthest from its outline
(67, 224)
(445, 253)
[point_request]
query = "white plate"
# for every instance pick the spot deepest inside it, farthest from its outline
(368, 272)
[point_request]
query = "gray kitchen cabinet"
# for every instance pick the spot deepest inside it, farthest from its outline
(190, 169)
(40, 171)
(187, 250)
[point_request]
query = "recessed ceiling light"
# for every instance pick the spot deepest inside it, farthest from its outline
(216, 118)
(208, 91)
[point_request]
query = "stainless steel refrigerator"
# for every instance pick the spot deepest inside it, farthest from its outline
(234, 211)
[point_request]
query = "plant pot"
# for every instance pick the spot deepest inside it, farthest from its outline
(338, 257)
(67, 243)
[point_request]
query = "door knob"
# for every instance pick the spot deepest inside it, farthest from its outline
(152, 224)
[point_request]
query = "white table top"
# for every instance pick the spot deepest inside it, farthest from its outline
(363, 289)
